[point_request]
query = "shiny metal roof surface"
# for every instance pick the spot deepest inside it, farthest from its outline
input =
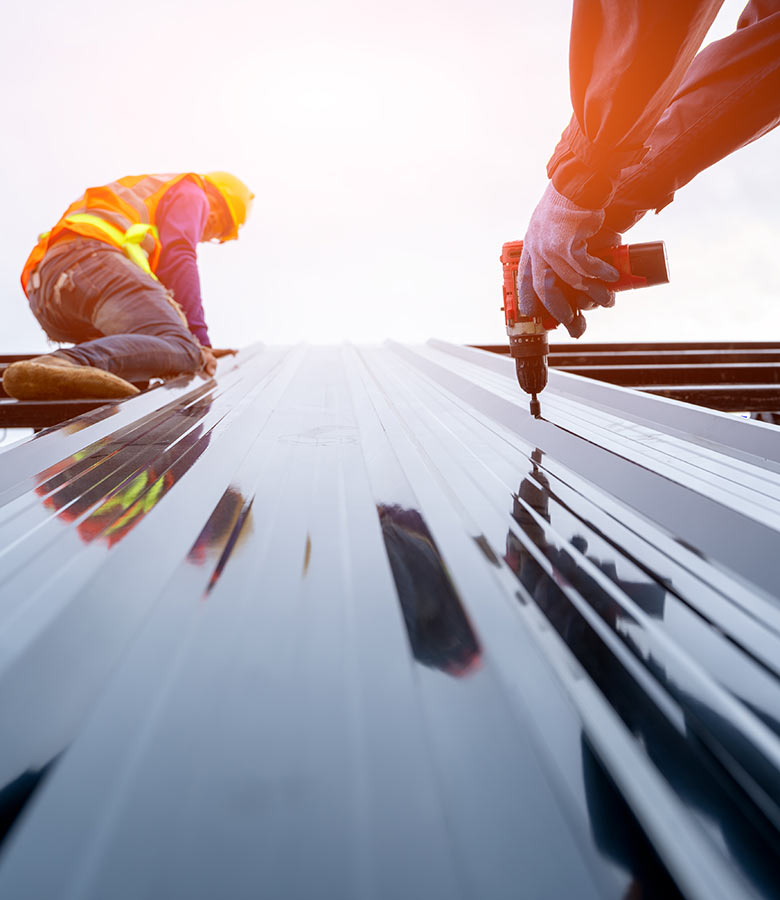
(347, 622)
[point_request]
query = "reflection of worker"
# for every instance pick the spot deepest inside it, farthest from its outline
(118, 276)
(128, 493)
(439, 631)
(531, 511)
(556, 579)
(227, 526)
(648, 117)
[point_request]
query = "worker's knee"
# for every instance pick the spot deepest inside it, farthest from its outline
(190, 352)
(183, 350)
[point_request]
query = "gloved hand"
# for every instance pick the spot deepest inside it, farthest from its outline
(601, 241)
(556, 268)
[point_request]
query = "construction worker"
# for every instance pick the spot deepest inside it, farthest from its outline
(649, 114)
(117, 276)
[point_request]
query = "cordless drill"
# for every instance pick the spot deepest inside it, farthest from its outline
(640, 265)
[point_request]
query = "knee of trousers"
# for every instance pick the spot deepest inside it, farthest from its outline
(190, 350)
(182, 344)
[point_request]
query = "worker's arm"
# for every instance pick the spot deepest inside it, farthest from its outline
(626, 59)
(181, 218)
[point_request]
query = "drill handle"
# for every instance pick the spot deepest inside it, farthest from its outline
(510, 261)
(639, 265)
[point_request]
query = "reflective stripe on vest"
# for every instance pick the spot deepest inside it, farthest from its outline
(125, 205)
(135, 501)
(129, 241)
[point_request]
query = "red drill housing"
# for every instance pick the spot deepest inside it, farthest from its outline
(640, 265)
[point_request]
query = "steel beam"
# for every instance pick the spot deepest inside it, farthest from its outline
(726, 397)
(734, 377)
(735, 374)
(43, 413)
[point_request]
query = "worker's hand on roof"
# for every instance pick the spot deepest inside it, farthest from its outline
(209, 357)
(556, 268)
(208, 364)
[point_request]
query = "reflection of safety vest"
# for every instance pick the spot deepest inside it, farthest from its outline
(122, 214)
(117, 515)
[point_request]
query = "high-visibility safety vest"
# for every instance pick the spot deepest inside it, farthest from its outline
(122, 214)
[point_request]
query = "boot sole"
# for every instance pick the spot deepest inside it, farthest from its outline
(29, 380)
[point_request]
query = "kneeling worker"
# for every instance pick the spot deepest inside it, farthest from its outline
(118, 277)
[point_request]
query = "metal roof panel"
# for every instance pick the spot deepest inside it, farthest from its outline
(349, 622)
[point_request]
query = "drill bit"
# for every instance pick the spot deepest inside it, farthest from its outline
(535, 407)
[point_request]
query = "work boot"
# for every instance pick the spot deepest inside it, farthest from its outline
(56, 378)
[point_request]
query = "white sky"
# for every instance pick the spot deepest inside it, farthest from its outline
(393, 148)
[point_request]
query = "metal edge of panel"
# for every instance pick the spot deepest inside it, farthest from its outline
(669, 504)
(758, 439)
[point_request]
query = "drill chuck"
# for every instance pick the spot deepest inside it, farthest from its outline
(529, 352)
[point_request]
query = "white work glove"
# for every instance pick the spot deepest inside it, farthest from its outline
(556, 268)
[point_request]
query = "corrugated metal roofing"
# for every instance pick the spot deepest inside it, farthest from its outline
(347, 622)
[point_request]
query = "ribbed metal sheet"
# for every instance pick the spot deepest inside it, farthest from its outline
(347, 622)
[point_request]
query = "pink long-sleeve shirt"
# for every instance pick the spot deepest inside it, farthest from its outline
(181, 219)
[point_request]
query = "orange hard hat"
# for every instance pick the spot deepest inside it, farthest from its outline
(236, 195)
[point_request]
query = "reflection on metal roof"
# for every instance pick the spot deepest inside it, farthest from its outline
(348, 623)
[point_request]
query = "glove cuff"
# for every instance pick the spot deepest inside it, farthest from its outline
(558, 201)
